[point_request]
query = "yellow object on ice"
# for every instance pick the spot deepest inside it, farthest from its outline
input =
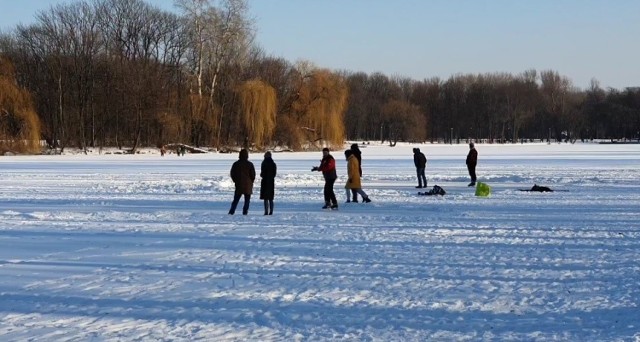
(483, 190)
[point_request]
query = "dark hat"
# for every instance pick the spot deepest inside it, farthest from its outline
(326, 149)
(415, 149)
(471, 144)
(348, 153)
(267, 154)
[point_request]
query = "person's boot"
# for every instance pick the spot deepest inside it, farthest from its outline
(472, 184)
(326, 206)
(366, 200)
(334, 206)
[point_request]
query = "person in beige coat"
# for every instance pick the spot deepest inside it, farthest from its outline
(353, 181)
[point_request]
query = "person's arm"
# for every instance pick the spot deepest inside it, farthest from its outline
(234, 172)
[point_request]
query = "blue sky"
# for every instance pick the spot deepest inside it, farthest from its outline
(582, 39)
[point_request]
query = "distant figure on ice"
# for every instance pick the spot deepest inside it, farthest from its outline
(267, 185)
(328, 169)
(243, 174)
(472, 161)
(358, 154)
(420, 161)
(353, 181)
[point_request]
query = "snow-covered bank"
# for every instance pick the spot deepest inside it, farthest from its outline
(139, 247)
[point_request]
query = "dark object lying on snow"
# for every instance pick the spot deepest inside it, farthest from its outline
(436, 190)
(538, 188)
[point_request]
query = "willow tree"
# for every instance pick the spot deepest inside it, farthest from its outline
(320, 105)
(19, 123)
(258, 108)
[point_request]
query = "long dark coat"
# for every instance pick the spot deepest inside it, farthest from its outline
(268, 171)
(243, 174)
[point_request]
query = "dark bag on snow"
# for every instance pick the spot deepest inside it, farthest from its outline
(436, 190)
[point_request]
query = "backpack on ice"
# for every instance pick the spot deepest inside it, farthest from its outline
(483, 190)
(436, 190)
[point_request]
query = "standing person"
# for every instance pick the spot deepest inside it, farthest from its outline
(243, 174)
(328, 169)
(358, 154)
(420, 161)
(472, 161)
(267, 185)
(354, 182)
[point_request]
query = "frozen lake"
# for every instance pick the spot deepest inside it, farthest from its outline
(120, 247)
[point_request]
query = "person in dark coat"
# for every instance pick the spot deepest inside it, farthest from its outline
(355, 149)
(472, 161)
(243, 174)
(328, 169)
(420, 162)
(267, 185)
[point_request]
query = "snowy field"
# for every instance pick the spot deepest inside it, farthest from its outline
(140, 248)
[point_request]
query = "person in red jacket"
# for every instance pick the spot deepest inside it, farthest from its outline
(328, 169)
(472, 161)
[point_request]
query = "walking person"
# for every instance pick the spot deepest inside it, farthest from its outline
(358, 154)
(420, 162)
(243, 174)
(354, 182)
(472, 161)
(328, 169)
(267, 184)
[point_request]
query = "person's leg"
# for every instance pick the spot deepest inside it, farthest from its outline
(247, 201)
(347, 193)
(419, 173)
(270, 207)
(354, 194)
(424, 179)
(266, 207)
(234, 204)
(472, 174)
(332, 195)
(328, 186)
(365, 197)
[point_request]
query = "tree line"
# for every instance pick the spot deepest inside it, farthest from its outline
(126, 73)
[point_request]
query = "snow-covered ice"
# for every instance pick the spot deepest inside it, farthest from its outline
(123, 247)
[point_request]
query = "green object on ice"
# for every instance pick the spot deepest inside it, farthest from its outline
(483, 190)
